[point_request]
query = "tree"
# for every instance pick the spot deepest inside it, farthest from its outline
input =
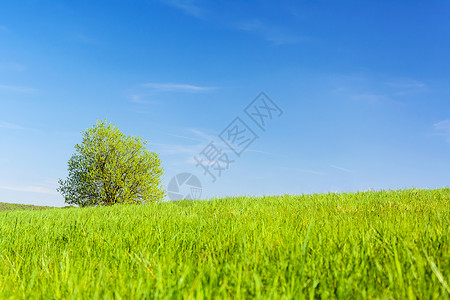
(110, 167)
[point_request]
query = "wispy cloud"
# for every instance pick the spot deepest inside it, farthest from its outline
(443, 128)
(176, 87)
(14, 88)
(176, 149)
(186, 137)
(7, 125)
(202, 134)
(189, 7)
(225, 15)
(271, 33)
(196, 142)
(192, 160)
(407, 86)
(30, 189)
(376, 89)
(259, 151)
(370, 97)
(342, 169)
(308, 171)
(12, 66)
(144, 95)
(205, 138)
(12, 126)
(360, 88)
(140, 99)
(141, 111)
(82, 38)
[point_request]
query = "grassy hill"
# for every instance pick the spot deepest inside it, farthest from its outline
(13, 206)
(386, 244)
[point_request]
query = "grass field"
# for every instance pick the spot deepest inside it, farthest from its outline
(391, 245)
(12, 206)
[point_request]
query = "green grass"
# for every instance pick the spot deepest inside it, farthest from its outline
(391, 245)
(13, 206)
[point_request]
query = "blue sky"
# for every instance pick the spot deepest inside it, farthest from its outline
(364, 87)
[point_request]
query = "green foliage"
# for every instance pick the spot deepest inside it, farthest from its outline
(110, 167)
(369, 245)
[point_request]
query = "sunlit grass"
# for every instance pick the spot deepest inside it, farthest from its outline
(370, 244)
(13, 206)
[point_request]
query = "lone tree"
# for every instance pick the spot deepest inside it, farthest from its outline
(110, 167)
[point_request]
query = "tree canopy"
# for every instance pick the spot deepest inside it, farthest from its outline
(110, 167)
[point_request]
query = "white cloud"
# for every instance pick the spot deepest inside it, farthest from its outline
(342, 169)
(313, 172)
(370, 98)
(82, 38)
(444, 128)
(12, 66)
(185, 137)
(310, 171)
(192, 160)
(7, 125)
(14, 88)
(175, 87)
(376, 90)
(406, 84)
(259, 151)
(202, 134)
(188, 7)
(30, 189)
(139, 111)
(445, 125)
(273, 34)
(143, 95)
(201, 139)
(179, 149)
(139, 99)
